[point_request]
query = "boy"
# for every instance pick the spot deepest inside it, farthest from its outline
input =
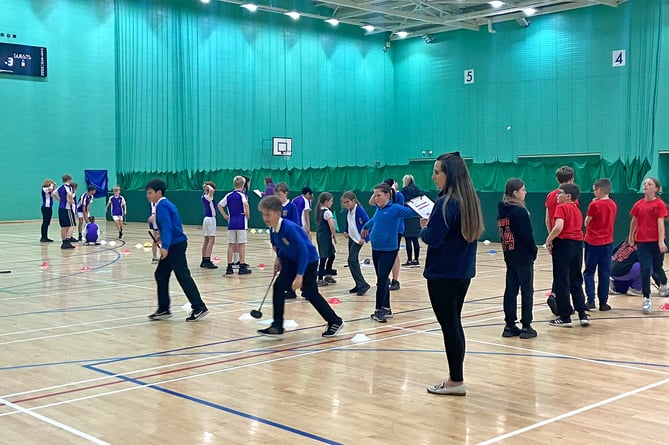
(303, 205)
(84, 207)
(237, 217)
(297, 260)
(599, 223)
(92, 232)
(119, 209)
(563, 175)
(65, 198)
(172, 256)
(208, 224)
(565, 244)
(288, 210)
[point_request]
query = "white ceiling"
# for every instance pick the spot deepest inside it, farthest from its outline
(427, 17)
(421, 18)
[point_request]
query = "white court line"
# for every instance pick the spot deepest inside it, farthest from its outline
(55, 423)
(216, 371)
(187, 362)
(573, 413)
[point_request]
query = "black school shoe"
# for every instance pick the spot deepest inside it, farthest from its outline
(271, 331)
(160, 315)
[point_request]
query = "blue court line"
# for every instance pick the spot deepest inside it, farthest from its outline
(218, 407)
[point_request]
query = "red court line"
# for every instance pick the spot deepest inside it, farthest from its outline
(233, 359)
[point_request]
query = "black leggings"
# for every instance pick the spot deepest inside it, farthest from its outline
(325, 267)
(47, 213)
(412, 246)
(447, 297)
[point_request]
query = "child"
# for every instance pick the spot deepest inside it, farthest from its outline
(92, 232)
(155, 257)
(208, 224)
(383, 236)
(647, 232)
(565, 244)
(172, 256)
(326, 239)
(599, 223)
(65, 198)
(269, 187)
(563, 175)
(48, 186)
(84, 207)
(237, 217)
(297, 261)
(118, 209)
(356, 217)
(73, 209)
(520, 251)
(289, 210)
(303, 205)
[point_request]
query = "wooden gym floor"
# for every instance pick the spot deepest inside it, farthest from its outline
(81, 363)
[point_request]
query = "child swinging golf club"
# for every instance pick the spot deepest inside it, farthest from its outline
(297, 261)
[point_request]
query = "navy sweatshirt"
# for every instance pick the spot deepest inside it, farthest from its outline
(449, 255)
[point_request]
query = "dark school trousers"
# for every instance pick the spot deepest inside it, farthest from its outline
(650, 260)
(519, 276)
(447, 297)
(383, 265)
(567, 276)
(176, 262)
(284, 283)
(47, 213)
(597, 257)
(354, 264)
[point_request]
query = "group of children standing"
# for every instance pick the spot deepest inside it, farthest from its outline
(565, 243)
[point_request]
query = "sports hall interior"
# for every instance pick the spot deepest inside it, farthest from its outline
(190, 91)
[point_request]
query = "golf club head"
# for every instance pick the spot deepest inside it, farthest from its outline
(256, 314)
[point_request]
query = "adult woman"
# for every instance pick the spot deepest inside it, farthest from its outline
(451, 232)
(411, 225)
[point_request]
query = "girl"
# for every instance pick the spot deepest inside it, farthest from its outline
(450, 234)
(356, 217)
(520, 251)
(208, 224)
(325, 237)
(48, 186)
(647, 231)
(384, 227)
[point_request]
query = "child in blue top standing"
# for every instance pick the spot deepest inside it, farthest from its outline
(297, 260)
(326, 239)
(356, 217)
(382, 229)
(172, 256)
(288, 209)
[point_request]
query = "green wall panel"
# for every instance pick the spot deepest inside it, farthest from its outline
(65, 122)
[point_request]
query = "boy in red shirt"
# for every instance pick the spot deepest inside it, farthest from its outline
(565, 244)
(563, 175)
(599, 244)
(647, 231)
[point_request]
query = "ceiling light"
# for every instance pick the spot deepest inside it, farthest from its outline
(293, 15)
(205, 1)
(333, 22)
(529, 11)
(496, 4)
(250, 7)
(401, 34)
(368, 28)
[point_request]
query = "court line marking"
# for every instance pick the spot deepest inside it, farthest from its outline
(573, 413)
(55, 423)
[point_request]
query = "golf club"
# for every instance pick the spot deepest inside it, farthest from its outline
(258, 313)
(153, 237)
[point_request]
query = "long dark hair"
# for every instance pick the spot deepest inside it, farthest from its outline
(459, 186)
(322, 199)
